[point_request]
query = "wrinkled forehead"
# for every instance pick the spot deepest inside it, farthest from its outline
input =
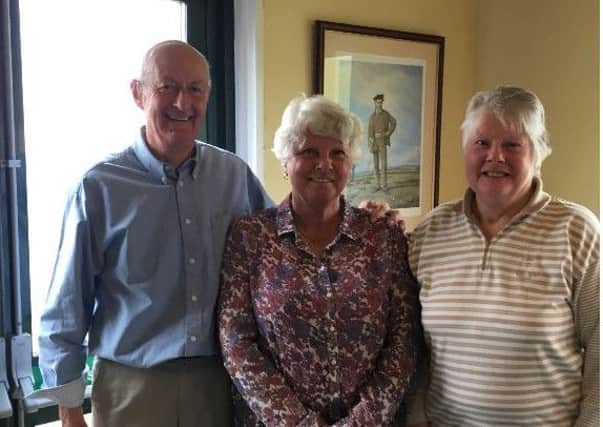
(319, 139)
(179, 63)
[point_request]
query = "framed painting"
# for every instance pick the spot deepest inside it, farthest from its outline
(393, 81)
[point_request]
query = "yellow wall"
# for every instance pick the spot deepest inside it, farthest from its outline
(550, 46)
(553, 49)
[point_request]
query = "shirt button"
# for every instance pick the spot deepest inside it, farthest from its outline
(332, 328)
(187, 220)
(192, 260)
(329, 294)
(164, 180)
(181, 183)
(333, 362)
(193, 338)
(194, 297)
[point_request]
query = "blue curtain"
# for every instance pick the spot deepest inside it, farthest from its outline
(210, 28)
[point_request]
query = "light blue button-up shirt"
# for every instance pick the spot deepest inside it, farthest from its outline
(138, 267)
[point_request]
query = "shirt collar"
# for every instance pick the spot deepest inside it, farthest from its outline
(350, 226)
(161, 170)
(190, 165)
(537, 201)
(196, 161)
(284, 219)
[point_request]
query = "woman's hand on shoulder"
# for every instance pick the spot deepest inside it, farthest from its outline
(379, 209)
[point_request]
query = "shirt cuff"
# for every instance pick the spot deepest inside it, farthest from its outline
(70, 395)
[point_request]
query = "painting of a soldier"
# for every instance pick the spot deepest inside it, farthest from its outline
(388, 97)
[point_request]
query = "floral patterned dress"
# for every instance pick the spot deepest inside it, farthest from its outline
(314, 340)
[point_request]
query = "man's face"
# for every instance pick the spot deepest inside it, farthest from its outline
(378, 104)
(174, 96)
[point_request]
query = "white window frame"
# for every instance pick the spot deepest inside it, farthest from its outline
(249, 83)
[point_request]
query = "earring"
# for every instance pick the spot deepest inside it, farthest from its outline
(285, 176)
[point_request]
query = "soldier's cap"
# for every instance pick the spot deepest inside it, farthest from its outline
(378, 96)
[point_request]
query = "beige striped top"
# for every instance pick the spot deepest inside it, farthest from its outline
(512, 323)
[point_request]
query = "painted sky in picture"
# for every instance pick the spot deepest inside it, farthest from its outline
(402, 86)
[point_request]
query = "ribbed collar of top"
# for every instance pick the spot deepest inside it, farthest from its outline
(348, 227)
(161, 170)
(538, 200)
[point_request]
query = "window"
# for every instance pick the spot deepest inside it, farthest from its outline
(78, 60)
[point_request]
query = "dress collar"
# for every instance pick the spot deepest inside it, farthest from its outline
(537, 201)
(348, 227)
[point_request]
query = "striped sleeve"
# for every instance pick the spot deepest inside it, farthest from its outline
(585, 241)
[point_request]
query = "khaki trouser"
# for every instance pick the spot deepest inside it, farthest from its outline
(189, 392)
(380, 162)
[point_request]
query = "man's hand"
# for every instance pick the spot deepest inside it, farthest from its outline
(381, 209)
(72, 417)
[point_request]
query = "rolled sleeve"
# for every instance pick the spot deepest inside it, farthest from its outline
(70, 395)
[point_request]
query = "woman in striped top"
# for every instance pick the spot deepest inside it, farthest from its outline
(509, 282)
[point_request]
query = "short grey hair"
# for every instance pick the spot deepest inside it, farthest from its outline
(514, 107)
(320, 116)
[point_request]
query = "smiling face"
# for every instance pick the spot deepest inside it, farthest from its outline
(499, 164)
(173, 94)
(318, 171)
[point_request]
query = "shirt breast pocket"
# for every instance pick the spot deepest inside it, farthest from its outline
(138, 249)
(536, 275)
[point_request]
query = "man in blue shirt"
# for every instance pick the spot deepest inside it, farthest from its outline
(138, 265)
